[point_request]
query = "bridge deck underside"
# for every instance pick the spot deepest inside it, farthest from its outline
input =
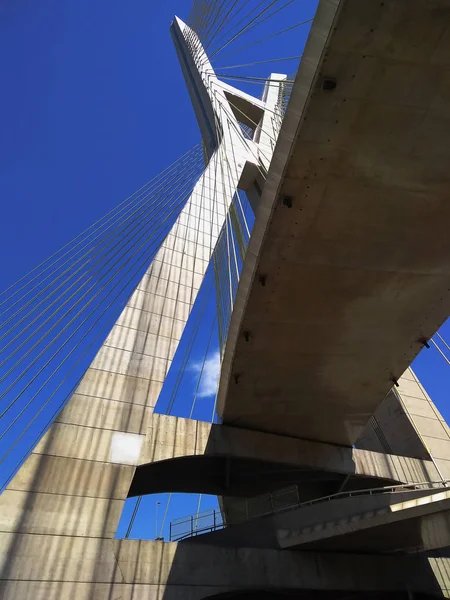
(354, 267)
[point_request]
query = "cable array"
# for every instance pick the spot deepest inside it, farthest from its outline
(441, 346)
(256, 31)
(228, 260)
(54, 319)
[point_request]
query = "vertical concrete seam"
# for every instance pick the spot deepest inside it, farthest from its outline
(116, 559)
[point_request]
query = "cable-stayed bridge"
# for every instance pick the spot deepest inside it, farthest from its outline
(322, 304)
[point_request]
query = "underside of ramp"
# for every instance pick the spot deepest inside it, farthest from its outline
(348, 270)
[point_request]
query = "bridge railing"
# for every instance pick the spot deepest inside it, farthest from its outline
(276, 502)
(203, 522)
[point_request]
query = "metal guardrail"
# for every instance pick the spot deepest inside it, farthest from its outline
(203, 522)
(276, 502)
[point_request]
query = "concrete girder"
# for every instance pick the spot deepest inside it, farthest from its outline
(195, 456)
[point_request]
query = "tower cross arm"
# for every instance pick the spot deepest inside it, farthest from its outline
(221, 108)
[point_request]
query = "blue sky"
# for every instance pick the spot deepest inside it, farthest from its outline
(93, 105)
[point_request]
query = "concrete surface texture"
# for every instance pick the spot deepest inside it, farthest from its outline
(54, 567)
(330, 520)
(345, 285)
(390, 428)
(407, 422)
(417, 524)
(193, 456)
(339, 290)
(427, 420)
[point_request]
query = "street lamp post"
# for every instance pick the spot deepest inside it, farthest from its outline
(156, 519)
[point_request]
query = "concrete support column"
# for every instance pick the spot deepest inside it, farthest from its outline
(267, 131)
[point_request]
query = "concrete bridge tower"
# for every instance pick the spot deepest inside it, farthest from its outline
(337, 254)
(65, 502)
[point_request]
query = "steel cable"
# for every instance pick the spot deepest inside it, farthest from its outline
(268, 37)
(70, 322)
(68, 299)
(144, 206)
(92, 326)
(174, 165)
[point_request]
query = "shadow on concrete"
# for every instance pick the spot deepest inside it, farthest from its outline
(71, 506)
(226, 475)
(199, 572)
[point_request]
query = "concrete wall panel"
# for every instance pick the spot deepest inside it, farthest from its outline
(431, 427)
(150, 323)
(53, 474)
(114, 386)
(125, 338)
(59, 514)
(418, 407)
(108, 414)
(76, 441)
(43, 562)
(130, 363)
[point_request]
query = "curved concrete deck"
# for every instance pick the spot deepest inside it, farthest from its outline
(182, 455)
(344, 279)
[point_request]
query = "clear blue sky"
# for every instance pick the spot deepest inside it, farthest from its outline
(93, 105)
